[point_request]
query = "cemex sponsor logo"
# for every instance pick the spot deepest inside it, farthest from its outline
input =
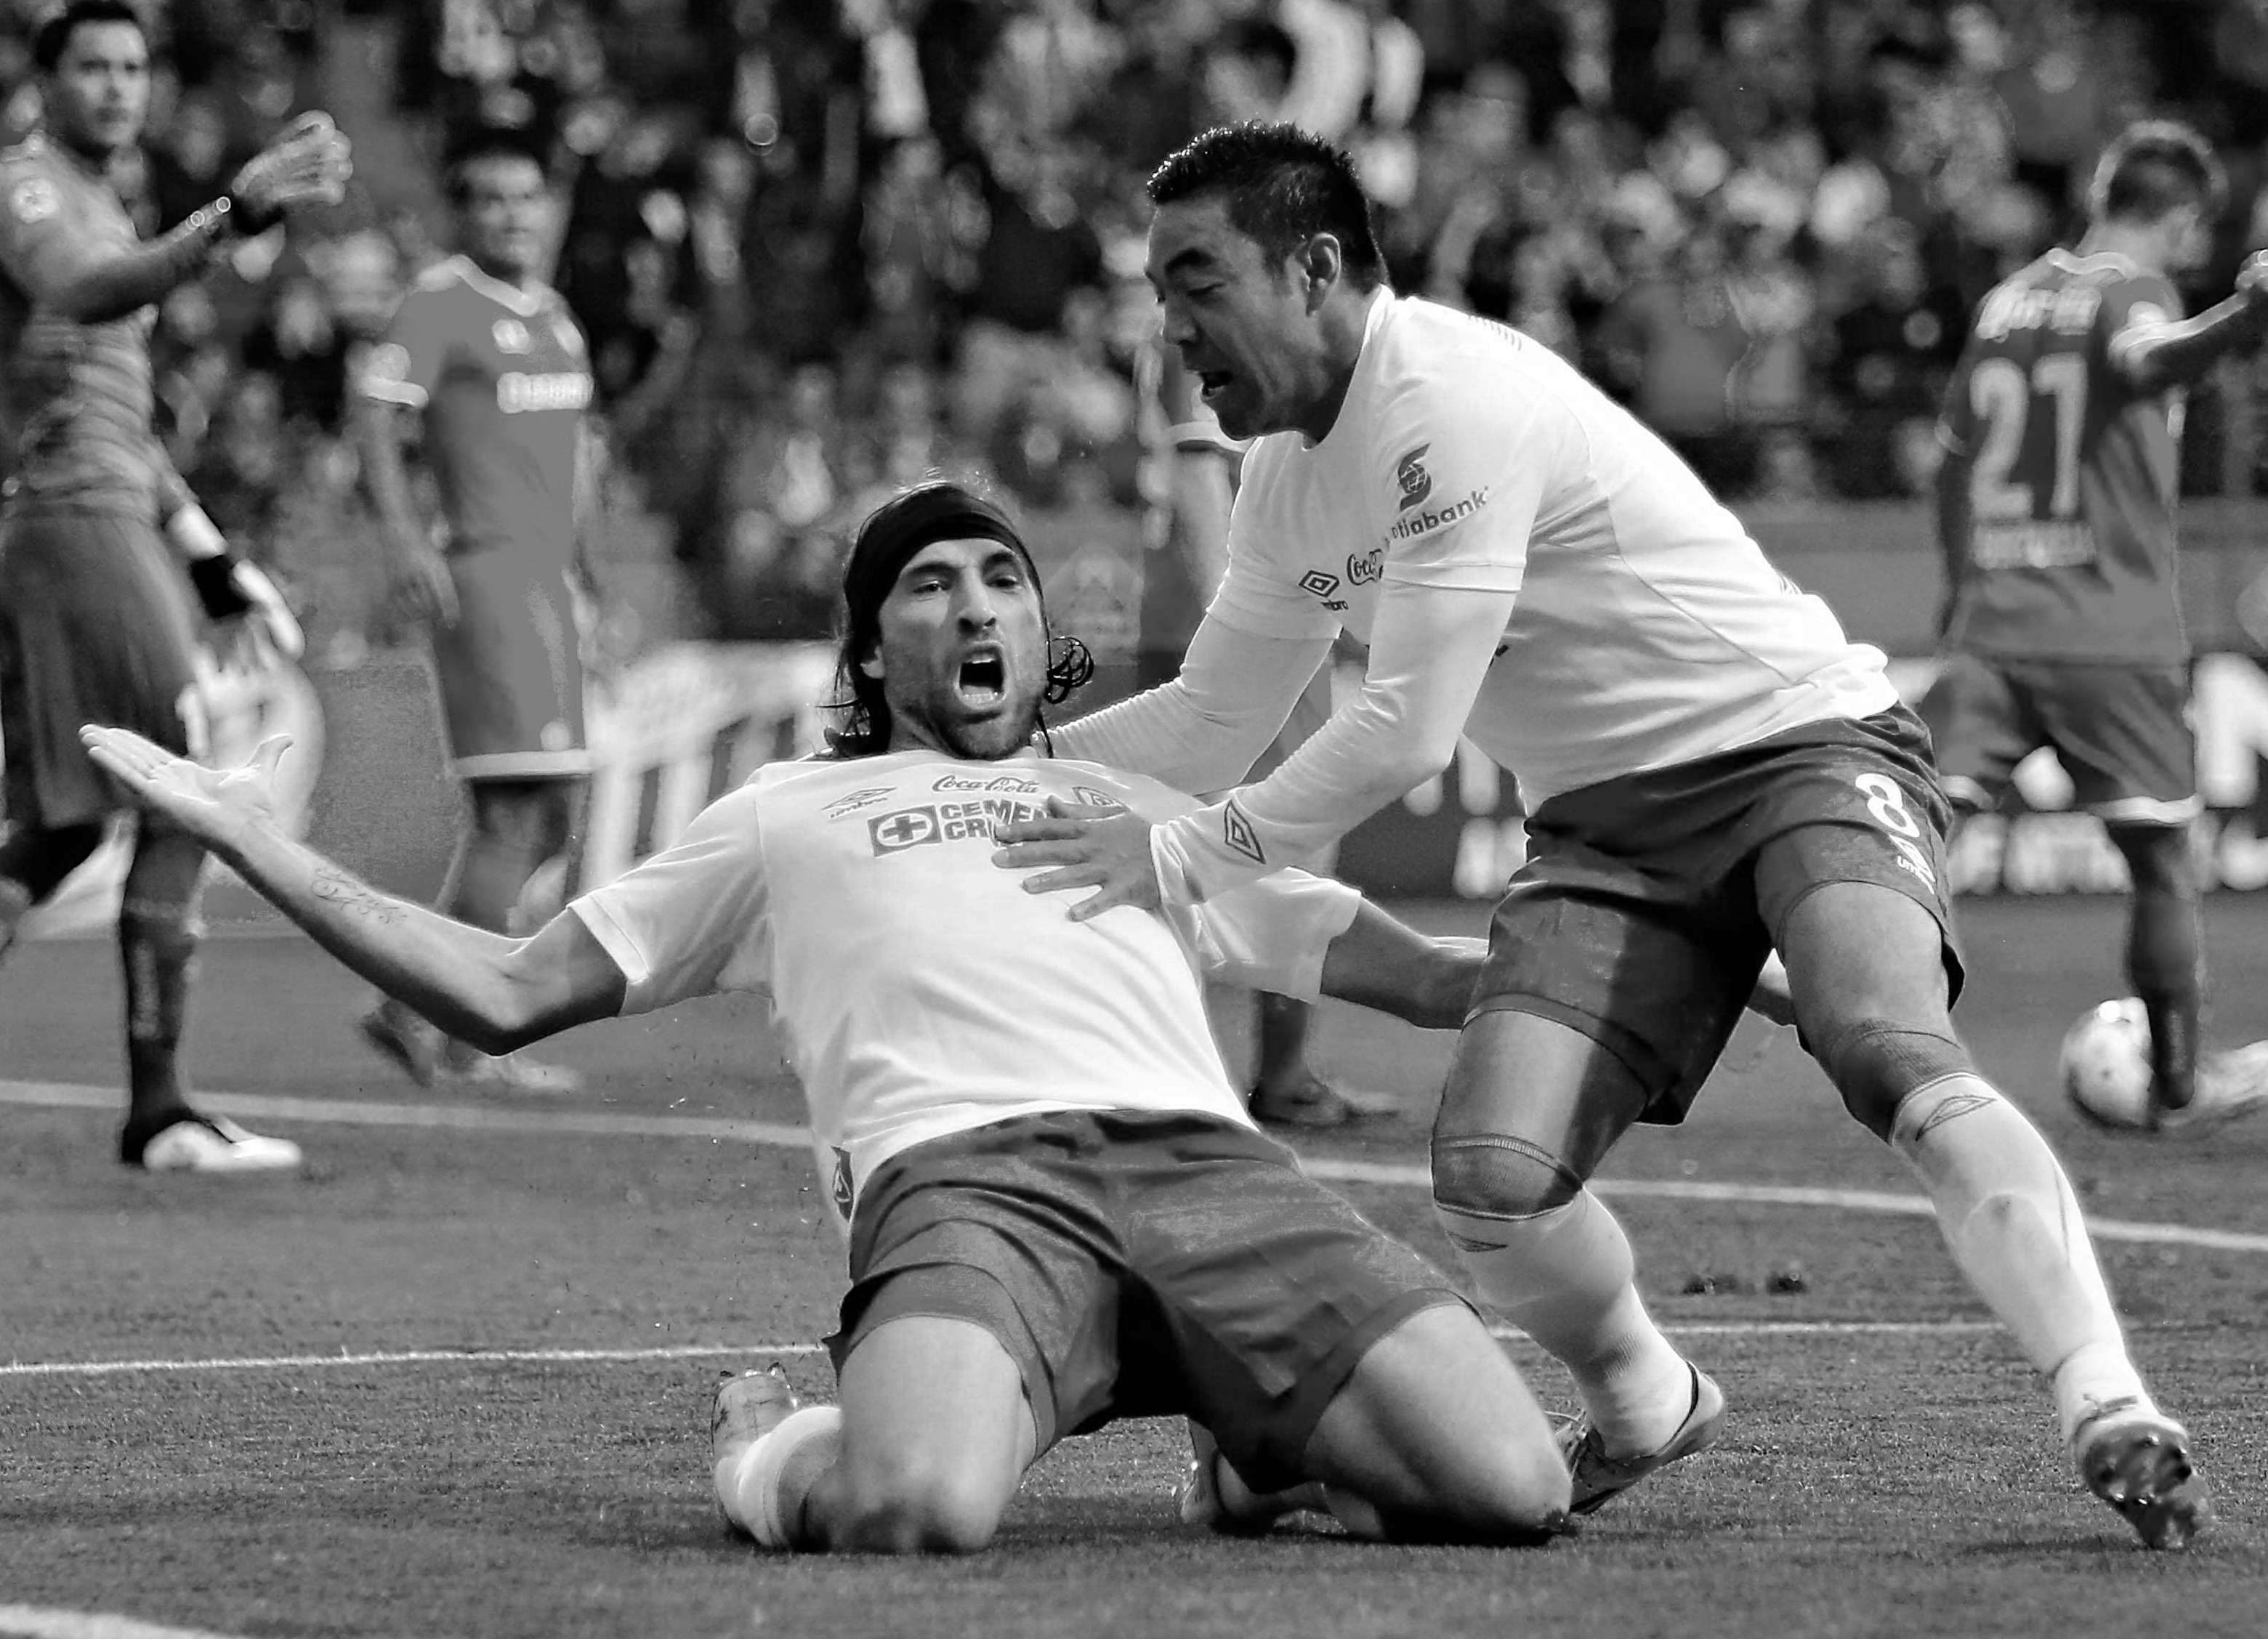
(1410, 472)
(1419, 523)
(843, 806)
(947, 822)
(1000, 783)
(1367, 568)
(1237, 832)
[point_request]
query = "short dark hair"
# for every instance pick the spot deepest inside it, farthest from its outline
(490, 143)
(939, 509)
(1283, 186)
(54, 36)
(2155, 167)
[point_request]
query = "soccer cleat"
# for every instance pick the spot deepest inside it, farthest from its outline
(2138, 1462)
(1598, 1478)
(2230, 1084)
(747, 1405)
(412, 1045)
(506, 1072)
(211, 1144)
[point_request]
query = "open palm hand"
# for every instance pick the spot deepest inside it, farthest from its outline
(209, 803)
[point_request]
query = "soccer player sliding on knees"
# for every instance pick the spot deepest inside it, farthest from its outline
(1711, 770)
(1059, 1212)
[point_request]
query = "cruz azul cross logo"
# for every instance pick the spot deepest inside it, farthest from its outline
(909, 827)
(1410, 472)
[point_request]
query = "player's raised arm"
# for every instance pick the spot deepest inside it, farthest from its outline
(87, 280)
(2154, 353)
(496, 992)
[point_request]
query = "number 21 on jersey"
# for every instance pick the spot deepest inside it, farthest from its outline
(2012, 471)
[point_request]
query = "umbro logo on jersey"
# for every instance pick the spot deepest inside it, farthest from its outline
(1410, 472)
(1319, 583)
(843, 806)
(1237, 832)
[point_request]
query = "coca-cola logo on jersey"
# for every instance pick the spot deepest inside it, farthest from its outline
(1362, 571)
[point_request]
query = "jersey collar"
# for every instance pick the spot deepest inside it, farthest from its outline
(527, 303)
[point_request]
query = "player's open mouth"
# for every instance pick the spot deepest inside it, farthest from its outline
(1213, 382)
(983, 680)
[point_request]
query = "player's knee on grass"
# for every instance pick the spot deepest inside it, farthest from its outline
(1438, 1439)
(1498, 1175)
(1877, 1064)
(910, 1501)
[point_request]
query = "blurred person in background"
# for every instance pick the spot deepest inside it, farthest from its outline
(2063, 623)
(96, 615)
(484, 364)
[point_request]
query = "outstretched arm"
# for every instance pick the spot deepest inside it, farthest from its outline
(496, 993)
(2153, 356)
(60, 268)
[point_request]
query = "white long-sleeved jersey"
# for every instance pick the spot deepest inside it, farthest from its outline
(1529, 566)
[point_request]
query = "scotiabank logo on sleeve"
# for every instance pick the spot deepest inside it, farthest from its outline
(1411, 474)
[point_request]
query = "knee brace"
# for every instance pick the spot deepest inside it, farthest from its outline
(1876, 1063)
(1494, 1175)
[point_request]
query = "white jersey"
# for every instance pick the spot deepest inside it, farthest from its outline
(1530, 567)
(917, 988)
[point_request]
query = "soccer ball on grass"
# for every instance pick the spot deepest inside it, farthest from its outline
(2105, 1064)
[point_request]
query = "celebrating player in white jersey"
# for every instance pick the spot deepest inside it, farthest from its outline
(1710, 768)
(1059, 1210)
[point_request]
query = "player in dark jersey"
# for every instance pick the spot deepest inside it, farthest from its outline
(2055, 513)
(95, 613)
(487, 363)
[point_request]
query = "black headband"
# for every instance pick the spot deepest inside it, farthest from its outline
(903, 526)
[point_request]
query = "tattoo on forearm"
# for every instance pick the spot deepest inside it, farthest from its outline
(337, 888)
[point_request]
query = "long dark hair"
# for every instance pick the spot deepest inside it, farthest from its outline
(939, 509)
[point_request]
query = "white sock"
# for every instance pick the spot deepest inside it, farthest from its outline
(748, 1481)
(1566, 1278)
(2015, 1230)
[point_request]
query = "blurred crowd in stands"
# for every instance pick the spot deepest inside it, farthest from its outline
(825, 246)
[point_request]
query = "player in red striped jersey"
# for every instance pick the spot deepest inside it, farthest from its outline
(2063, 623)
(485, 361)
(95, 616)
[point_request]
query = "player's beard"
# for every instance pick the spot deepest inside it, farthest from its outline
(987, 738)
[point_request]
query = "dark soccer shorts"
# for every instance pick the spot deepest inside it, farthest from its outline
(1648, 903)
(1137, 1266)
(511, 671)
(97, 625)
(2122, 733)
